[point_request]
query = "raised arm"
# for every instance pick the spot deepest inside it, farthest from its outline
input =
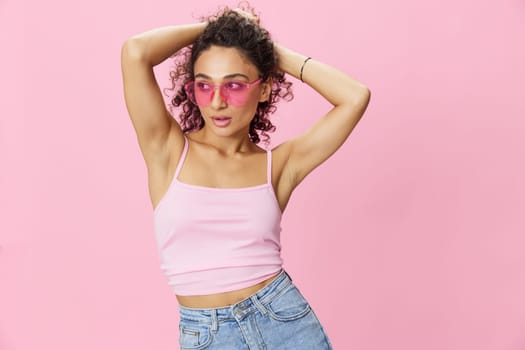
(349, 97)
(157, 131)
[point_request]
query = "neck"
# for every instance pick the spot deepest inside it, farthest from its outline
(228, 145)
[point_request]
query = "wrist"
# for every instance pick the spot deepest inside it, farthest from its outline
(290, 61)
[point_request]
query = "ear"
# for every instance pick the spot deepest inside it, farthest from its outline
(266, 91)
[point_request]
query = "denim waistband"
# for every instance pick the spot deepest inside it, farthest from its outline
(241, 309)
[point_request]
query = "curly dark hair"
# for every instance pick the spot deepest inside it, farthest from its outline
(230, 29)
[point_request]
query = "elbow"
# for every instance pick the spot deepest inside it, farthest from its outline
(364, 92)
(131, 48)
(359, 98)
(354, 92)
(363, 101)
(365, 98)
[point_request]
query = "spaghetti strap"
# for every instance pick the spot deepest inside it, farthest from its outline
(182, 157)
(269, 167)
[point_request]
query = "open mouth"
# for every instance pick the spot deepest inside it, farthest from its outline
(221, 121)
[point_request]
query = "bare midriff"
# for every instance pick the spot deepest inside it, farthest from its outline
(222, 299)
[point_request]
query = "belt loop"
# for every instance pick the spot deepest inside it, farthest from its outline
(214, 321)
(259, 305)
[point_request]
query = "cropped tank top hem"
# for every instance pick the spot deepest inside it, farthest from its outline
(225, 281)
(216, 189)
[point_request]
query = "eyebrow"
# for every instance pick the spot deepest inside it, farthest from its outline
(229, 76)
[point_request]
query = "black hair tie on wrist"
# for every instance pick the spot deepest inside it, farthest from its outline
(302, 67)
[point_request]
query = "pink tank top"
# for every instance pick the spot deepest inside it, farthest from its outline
(214, 240)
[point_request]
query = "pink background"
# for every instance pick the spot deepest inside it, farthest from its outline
(410, 237)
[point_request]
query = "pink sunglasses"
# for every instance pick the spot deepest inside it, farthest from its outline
(233, 92)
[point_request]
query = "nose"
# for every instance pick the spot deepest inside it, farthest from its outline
(217, 100)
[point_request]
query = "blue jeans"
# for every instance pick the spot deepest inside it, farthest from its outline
(275, 317)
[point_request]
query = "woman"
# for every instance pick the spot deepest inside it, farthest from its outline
(217, 196)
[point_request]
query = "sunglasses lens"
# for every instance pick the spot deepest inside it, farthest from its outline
(203, 93)
(236, 93)
(197, 95)
(233, 93)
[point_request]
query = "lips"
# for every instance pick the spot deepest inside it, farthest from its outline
(221, 121)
